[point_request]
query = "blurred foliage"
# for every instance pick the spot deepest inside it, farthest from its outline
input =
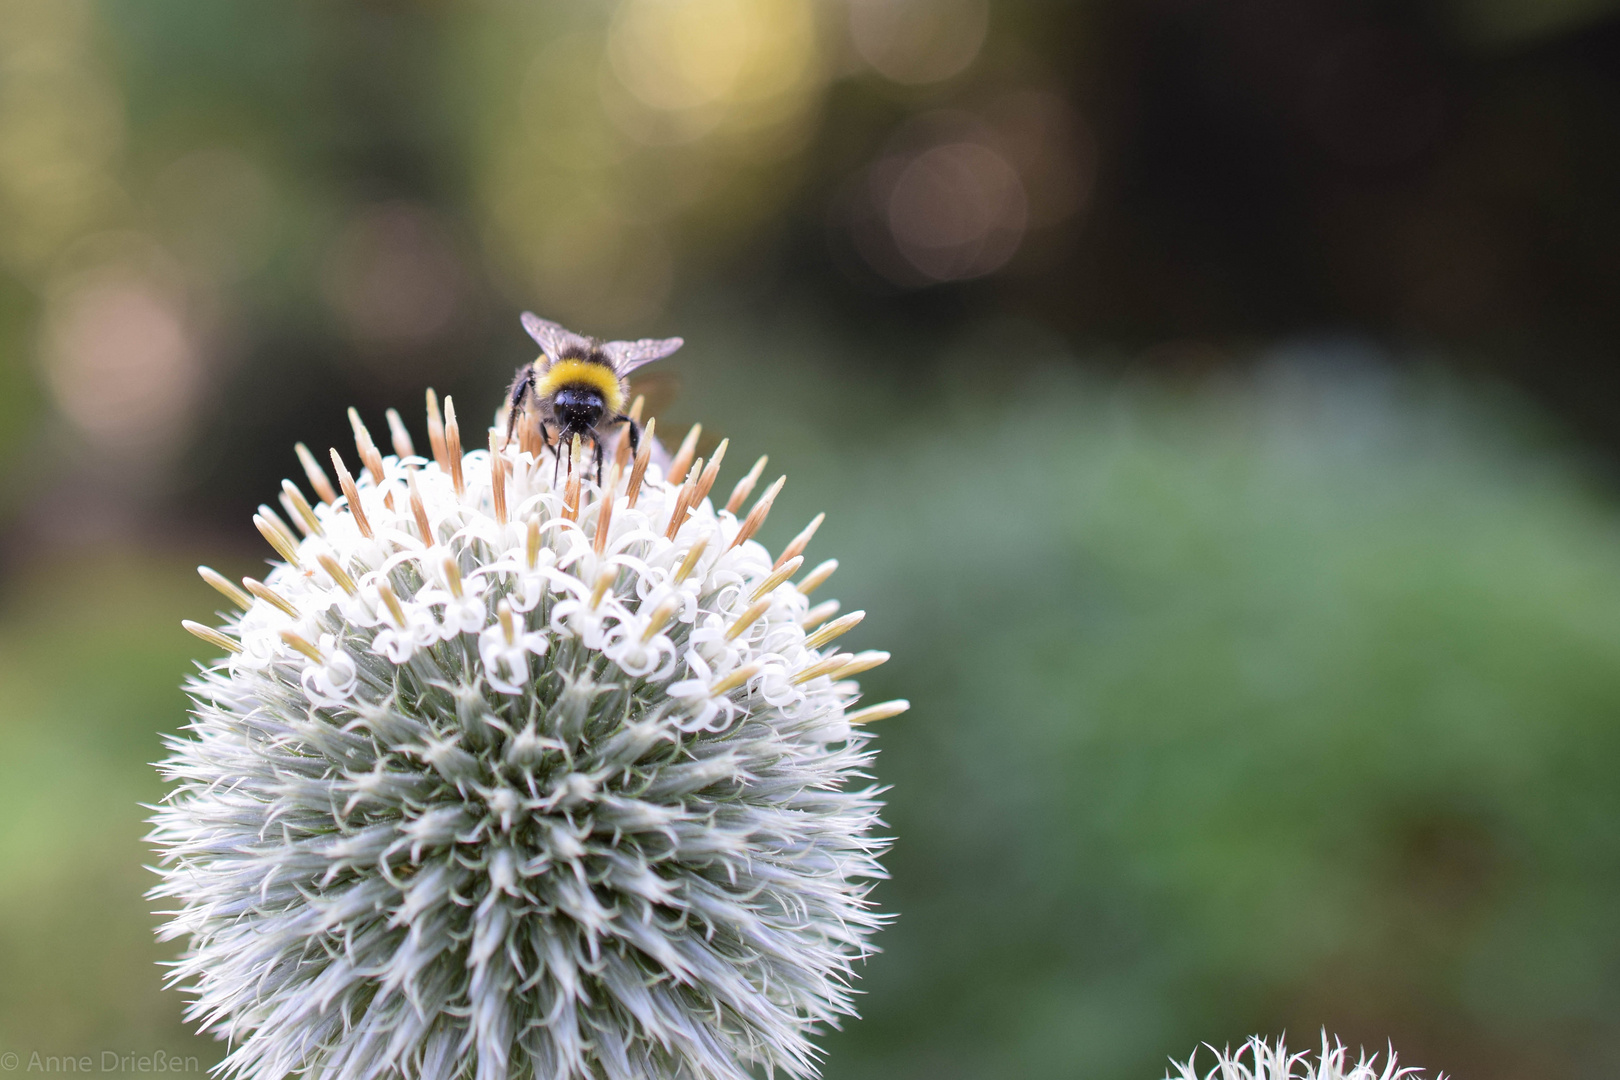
(215, 219)
(1274, 706)
(91, 674)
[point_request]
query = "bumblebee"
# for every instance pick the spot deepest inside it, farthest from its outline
(578, 386)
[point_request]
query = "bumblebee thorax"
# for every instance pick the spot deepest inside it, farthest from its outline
(589, 375)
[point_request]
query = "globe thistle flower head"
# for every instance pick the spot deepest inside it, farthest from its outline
(1259, 1060)
(506, 777)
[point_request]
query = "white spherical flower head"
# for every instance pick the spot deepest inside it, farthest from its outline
(505, 778)
(1258, 1060)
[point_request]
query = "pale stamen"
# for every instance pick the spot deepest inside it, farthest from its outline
(834, 629)
(452, 445)
(497, 477)
(369, 457)
(269, 595)
(435, 423)
(819, 614)
(779, 575)
(643, 456)
(529, 441)
(503, 612)
(864, 661)
(292, 512)
(317, 475)
(747, 619)
(706, 481)
(221, 583)
(419, 511)
(822, 667)
(683, 457)
(604, 513)
(391, 602)
(802, 541)
(571, 486)
(690, 562)
(212, 636)
(683, 503)
(284, 544)
(756, 516)
(659, 617)
(302, 511)
(303, 646)
(275, 519)
(604, 581)
(336, 573)
(734, 680)
(878, 712)
(745, 486)
(403, 447)
(351, 493)
(816, 578)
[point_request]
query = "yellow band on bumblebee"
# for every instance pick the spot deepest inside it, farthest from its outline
(598, 377)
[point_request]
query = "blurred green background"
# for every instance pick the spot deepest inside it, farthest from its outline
(1215, 405)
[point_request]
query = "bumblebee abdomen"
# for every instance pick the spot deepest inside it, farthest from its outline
(586, 374)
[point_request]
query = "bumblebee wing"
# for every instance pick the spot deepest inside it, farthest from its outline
(626, 356)
(554, 341)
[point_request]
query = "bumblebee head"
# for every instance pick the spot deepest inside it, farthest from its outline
(578, 408)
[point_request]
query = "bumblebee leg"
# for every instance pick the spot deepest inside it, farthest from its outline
(634, 431)
(521, 387)
(598, 444)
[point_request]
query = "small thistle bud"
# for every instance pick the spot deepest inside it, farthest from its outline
(1257, 1060)
(498, 778)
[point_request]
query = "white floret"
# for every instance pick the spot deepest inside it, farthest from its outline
(512, 798)
(1259, 1060)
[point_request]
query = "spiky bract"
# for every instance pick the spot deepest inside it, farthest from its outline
(538, 794)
